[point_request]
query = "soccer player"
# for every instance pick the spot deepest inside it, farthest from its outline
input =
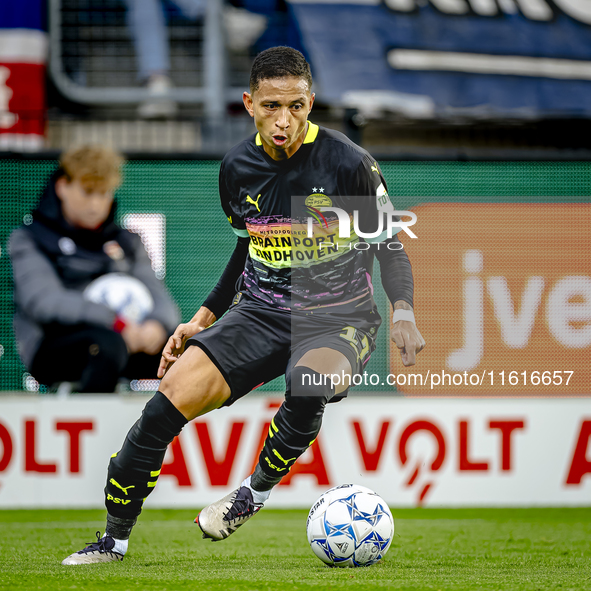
(303, 306)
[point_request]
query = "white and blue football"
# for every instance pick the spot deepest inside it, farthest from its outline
(350, 525)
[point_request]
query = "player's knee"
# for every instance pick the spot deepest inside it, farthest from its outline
(305, 406)
(161, 420)
(309, 387)
(307, 395)
(195, 385)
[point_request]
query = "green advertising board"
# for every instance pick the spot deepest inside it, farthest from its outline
(198, 239)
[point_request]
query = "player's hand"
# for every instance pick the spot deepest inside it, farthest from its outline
(176, 343)
(408, 339)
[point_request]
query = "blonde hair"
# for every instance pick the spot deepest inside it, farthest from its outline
(94, 166)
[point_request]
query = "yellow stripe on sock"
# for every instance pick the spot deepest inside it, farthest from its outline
(279, 456)
(273, 466)
(155, 473)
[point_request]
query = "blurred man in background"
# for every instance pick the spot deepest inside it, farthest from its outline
(69, 327)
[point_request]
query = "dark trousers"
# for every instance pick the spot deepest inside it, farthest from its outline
(94, 356)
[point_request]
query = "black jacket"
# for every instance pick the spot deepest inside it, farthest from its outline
(53, 262)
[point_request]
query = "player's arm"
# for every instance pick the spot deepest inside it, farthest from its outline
(398, 284)
(220, 298)
(395, 267)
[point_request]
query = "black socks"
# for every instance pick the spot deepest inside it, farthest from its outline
(119, 528)
(294, 427)
(133, 471)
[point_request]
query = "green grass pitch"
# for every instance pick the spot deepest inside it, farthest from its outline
(459, 549)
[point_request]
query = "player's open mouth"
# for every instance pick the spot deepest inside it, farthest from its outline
(279, 140)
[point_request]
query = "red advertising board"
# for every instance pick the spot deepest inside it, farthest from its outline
(22, 88)
(454, 452)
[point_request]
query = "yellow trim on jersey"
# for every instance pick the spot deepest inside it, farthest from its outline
(257, 140)
(313, 130)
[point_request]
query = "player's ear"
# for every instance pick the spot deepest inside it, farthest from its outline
(312, 97)
(248, 105)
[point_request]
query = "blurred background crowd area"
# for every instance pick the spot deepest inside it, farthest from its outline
(430, 77)
(476, 102)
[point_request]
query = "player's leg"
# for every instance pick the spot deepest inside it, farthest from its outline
(193, 386)
(292, 431)
(253, 351)
(227, 360)
(297, 422)
(318, 353)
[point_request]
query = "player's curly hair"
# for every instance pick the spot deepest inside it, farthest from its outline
(277, 62)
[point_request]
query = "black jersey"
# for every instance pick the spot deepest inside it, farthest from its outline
(278, 203)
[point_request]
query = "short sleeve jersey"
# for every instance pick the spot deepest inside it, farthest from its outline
(300, 258)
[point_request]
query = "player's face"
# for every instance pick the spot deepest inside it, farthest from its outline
(84, 206)
(280, 107)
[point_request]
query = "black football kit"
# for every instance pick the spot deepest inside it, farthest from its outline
(299, 290)
(297, 281)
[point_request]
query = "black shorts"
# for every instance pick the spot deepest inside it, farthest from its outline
(254, 343)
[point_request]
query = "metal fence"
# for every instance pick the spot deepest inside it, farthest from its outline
(93, 59)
